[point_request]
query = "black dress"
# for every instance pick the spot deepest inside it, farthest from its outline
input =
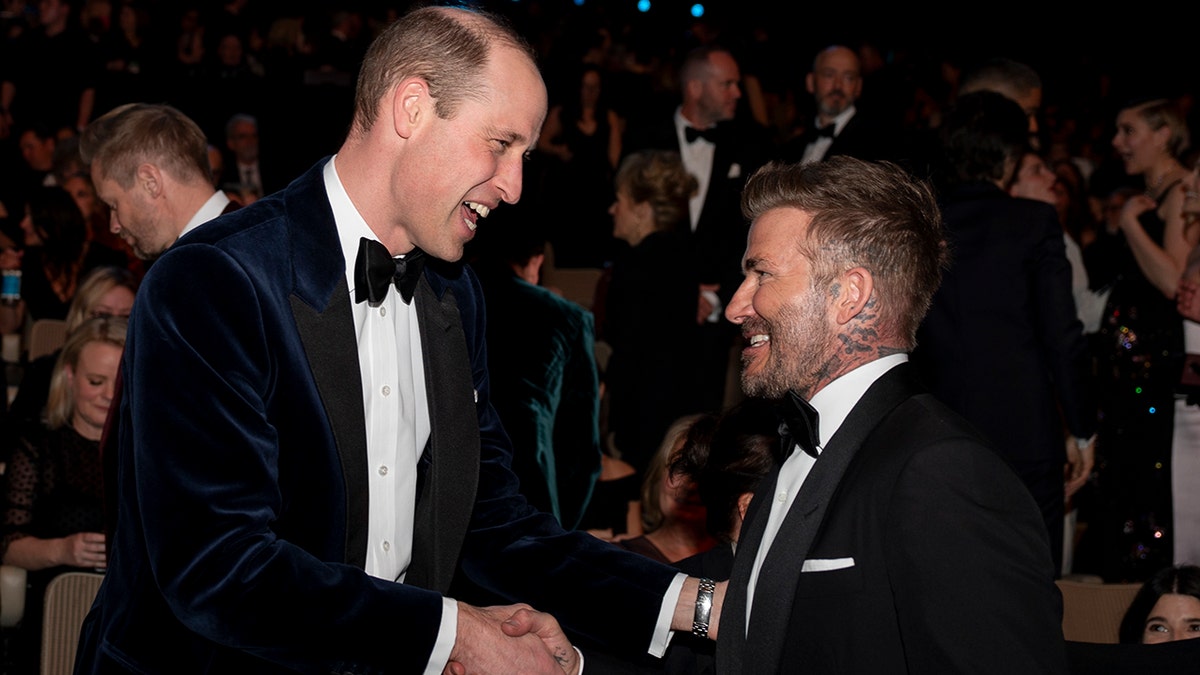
(1139, 356)
(53, 484)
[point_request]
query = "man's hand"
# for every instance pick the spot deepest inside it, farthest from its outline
(483, 647)
(528, 621)
(1079, 465)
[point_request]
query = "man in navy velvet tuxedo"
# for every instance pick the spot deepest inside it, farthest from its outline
(306, 460)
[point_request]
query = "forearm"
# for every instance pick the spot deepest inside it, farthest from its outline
(32, 553)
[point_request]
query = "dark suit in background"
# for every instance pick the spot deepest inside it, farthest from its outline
(545, 384)
(1002, 344)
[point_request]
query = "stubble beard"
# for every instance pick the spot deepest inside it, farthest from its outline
(800, 348)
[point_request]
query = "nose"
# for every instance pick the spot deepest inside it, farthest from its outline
(509, 178)
(740, 308)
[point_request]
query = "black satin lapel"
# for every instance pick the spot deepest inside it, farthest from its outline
(780, 573)
(448, 495)
(331, 347)
(731, 641)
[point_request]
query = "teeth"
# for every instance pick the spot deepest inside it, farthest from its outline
(756, 340)
(482, 210)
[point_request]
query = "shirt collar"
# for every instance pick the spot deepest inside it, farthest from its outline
(836, 399)
(212, 208)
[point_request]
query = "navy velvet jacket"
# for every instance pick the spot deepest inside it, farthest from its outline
(242, 488)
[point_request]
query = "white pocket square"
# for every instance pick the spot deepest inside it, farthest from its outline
(826, 564)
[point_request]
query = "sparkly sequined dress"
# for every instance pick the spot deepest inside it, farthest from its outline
(1139, 356)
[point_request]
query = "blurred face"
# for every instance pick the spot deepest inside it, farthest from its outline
(32, 236)
(679, 496)
(83, 193)
(243, 142)
(789, 338)
(719, 91)
(1034, 180)
(134, 215)
(37, 153)
(1137, 144)
(589, 88)
(1191, 198)
(91, 382)
(116, 301)
(229, 50)
(473, 162)
(836, 81)
(1174, 617)
(627, 218)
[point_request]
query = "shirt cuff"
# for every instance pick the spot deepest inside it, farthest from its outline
(662, 629)
(447, 634)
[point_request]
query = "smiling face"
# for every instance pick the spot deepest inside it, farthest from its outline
(461, 168)
(91, 381)
(784, 320)
(1174, 617)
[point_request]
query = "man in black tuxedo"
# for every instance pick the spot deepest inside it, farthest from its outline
(326, 449)
(893, 538)
(721, 151)
(1002, 343)
(839, 127)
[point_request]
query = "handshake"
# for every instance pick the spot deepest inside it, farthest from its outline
(520, 639)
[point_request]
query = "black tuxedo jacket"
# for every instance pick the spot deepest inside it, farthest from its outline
(911, 548)
(720, 234)
(863, 137)
(1002, 344)
(242, 473)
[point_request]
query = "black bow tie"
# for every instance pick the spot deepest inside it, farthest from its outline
(692, 133)
(798, 427)
(375, 269)
(826, 130)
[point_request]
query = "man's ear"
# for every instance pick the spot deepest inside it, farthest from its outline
(856, 284)
(150, 179)
(410, 104)
(810, 83)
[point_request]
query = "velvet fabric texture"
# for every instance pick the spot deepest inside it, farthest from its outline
(242, 472)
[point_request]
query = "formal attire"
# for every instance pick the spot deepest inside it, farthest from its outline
(1185, 464)
(852, 133)
(650, 323)
(1139, 357)
(907, 546)
(52, 490)
(546, 389)
(721, 159)
(244, 416)
(1002, 344)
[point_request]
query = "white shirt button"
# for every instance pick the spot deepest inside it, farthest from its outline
(387, 546)
(382, 310)
(782, 496)
(385, 390)
(383, 470)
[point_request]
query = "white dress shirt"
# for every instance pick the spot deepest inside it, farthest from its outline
(833, 403)
(815, 150)
(697, 158)
(212, 208)
(397, 416)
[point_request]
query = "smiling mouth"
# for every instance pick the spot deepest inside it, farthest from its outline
(475, 211)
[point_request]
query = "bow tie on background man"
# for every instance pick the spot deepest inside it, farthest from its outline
(375, 269)
(798, 426)
(692, 133)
